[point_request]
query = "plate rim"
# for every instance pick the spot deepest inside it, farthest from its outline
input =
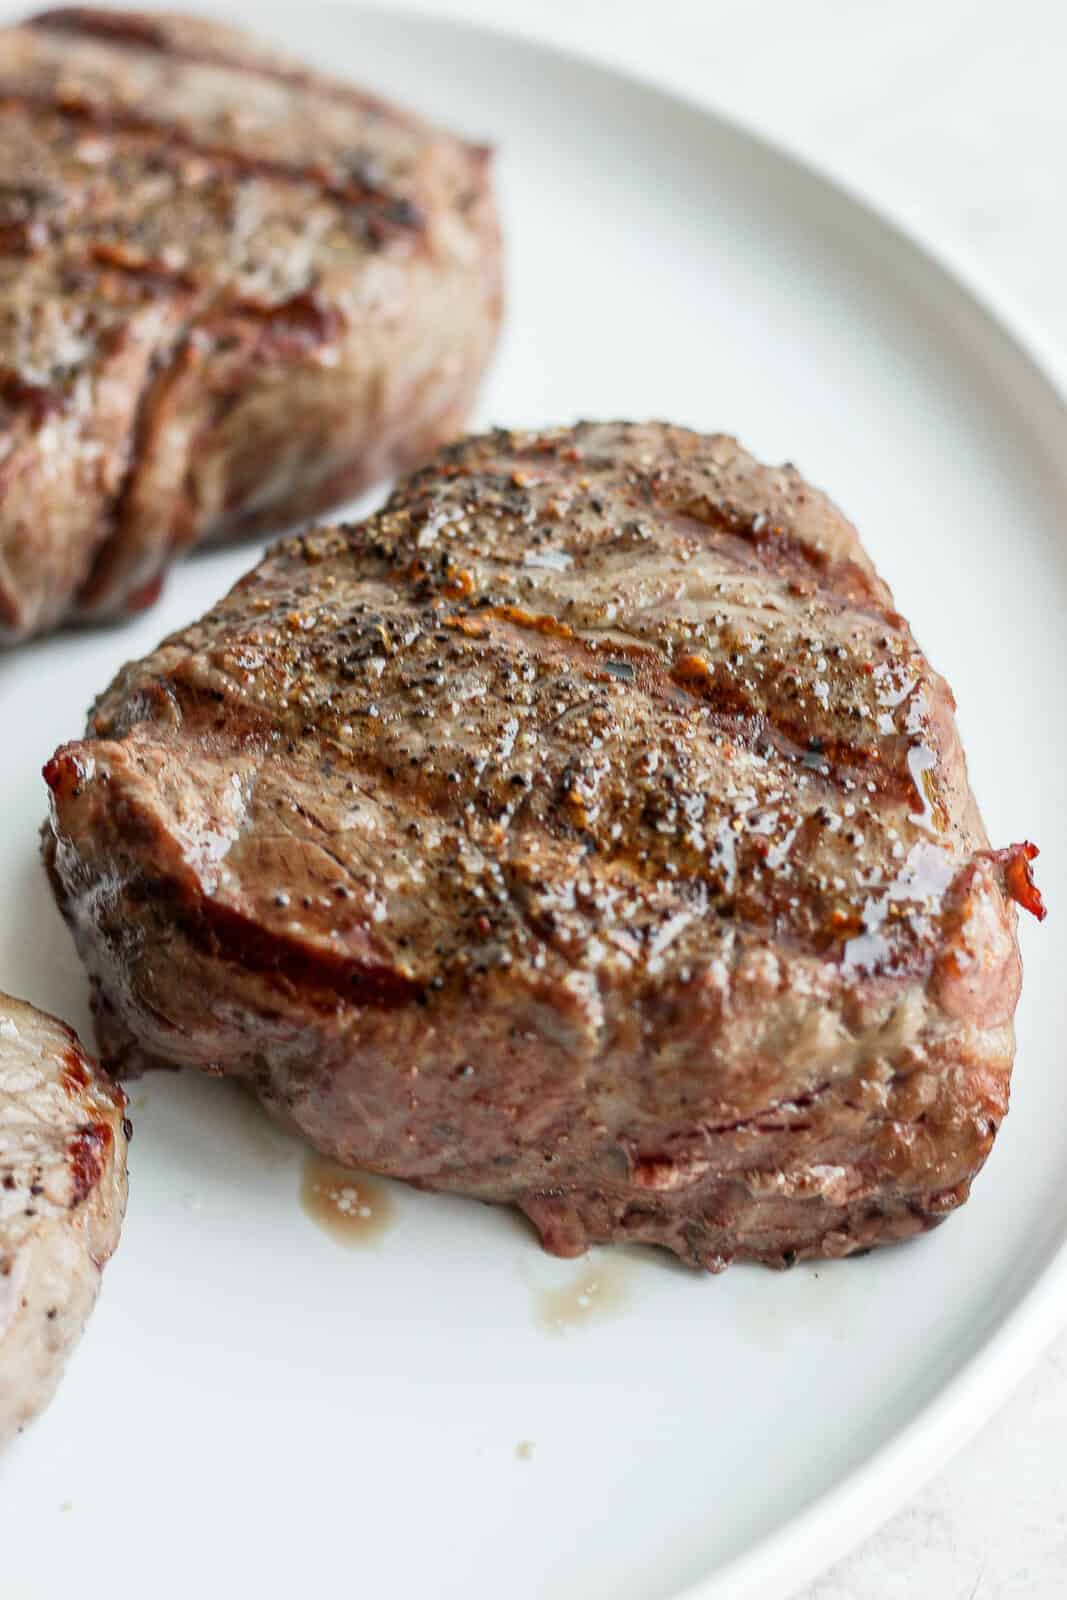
(839, 1520)
(843, 1516)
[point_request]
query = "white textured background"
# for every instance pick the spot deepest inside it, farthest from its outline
(962, 107)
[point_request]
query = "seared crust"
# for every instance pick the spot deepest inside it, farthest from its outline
(62, 1196)
(232, 293)
(585, 830)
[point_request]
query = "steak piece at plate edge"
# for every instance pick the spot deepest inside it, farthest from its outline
(584, 831)
(233, 293)
(63, 1147)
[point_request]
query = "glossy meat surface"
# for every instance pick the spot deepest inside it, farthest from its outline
(585, 830)
(232, 293)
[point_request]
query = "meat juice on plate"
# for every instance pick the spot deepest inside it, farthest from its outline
(598, 1293)
(349, 1206)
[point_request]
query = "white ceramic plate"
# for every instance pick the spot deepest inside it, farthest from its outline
(256, 1410)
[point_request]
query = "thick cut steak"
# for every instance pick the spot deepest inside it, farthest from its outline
(62, 1196)
(232, 293)
(584, 831)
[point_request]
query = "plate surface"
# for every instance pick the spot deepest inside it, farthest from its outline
(256, 1409)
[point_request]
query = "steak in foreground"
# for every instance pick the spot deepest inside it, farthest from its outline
(63, 1145)
(584, 831)
(233, 292)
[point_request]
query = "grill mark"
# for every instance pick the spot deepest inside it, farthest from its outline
(301, 323)
(738, 561)
(115, 256)
(424, 799)
(763, 912)
(759, 916)
(769, 537)
(384, 214)
(732, 710)
(423, 802)
(250, 944)
(292, 327)
(23, 236)
(87, 1152)
(38, 400)
(505, 624)
(792, 736)
(842, 585)
(497, 626)
(75, 1073)
(303, 318)
(750, 543)
(142, 32)
(222, 931)
(218, 930)
(322, 977)
(107, 551)
(760, 928)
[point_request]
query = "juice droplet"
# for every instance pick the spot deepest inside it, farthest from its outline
(596, 1295)
(352, 1208)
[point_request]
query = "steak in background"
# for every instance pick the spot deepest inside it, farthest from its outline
(233, 293)
(584, 831)
(62, 1196)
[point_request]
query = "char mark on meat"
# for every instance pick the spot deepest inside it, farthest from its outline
(585, 831)
(233, 293)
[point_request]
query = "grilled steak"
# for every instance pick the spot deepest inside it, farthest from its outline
(62, 1195)
(232, 293)
(584, 831)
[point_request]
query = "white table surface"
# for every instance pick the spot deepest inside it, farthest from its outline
(960, 105)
